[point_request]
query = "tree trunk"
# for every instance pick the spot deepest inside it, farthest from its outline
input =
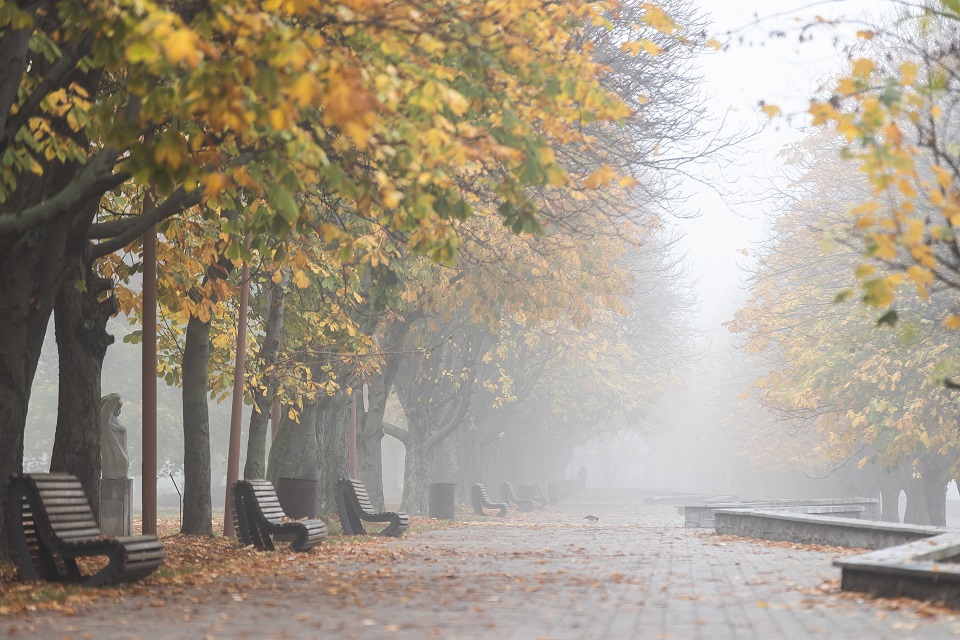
(333, 432)
(21, 339)
(916, 512)
(416, 472)
(33, 267)
(32, 271)
(369, 439)
(197, 508)
(934, 475)
(935, 493)
(255, 465)
(82, 341)
(370, 428)
(891, 483)
(294, 453)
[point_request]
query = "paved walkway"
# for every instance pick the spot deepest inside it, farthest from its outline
(635, 574)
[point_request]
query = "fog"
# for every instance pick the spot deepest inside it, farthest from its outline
(645, 375)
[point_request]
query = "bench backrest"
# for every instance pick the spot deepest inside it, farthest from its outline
(363, 498)
(63, 506)
(265, 500)
(483, 493)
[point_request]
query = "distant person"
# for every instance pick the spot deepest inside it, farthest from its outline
(582, 478)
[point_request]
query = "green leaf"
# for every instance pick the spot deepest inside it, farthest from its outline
(283, 203)
(890, 318)
(842, 296)
(952, 5)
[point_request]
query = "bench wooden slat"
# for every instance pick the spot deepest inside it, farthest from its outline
(51, 518)
(511, 498)
(259, 515)
(480, 501)
(354, 506)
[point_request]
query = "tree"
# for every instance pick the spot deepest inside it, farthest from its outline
(855, 391)
(351, 101)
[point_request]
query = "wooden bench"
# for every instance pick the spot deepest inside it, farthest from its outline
(354, 506)
(258, 514)
(480, 501)
(532, 492)
(550, 498)
(52, 525)
(510, 497)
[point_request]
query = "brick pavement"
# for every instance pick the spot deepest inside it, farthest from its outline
(635, 574)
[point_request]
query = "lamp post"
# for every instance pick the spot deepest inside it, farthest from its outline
(148, 373)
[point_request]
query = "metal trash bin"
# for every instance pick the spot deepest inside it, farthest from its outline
(442, 500)
(298, 497)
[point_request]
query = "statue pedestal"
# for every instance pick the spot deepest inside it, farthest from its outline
(116, 506)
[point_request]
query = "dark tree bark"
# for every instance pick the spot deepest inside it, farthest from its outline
(435, 394)
(369, 438)
(295, 453)
(916, 512)
(82, 341)
(256, 461)
(332, 433)
(32, 272)
(891, 483)
(22, 329)
(370, 422)
(934, 475)
(197, 506)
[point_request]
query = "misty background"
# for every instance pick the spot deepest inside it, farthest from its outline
(692, 436)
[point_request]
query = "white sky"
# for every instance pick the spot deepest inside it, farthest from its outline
(781, 71)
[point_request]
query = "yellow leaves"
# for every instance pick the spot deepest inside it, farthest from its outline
(944, 176)
(244, 179)
(921, 277)
(457, 103)
(880, 292)
(771, 110)
(304, 90)
(349, 104)
(634, 47)
(214, 183)
(278, 118)
(658, 19)
(892, 134)
(865, 271)
(182, 45)
(821, 112)
(951, 322)
(908, 73)
(846, 87)
(863, 67)
(171, 149)
(390, 198)
(886, 246)
(866, 34)
(714, 44)
(300, 279)
(601, 177)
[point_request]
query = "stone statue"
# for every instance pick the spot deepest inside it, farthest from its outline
(113, 439)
